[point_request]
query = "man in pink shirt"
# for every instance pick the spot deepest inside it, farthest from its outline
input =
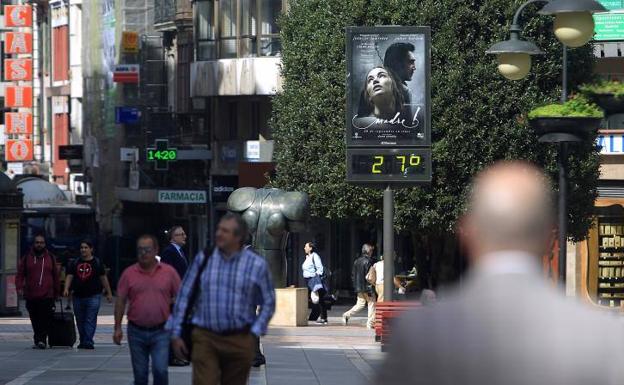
(148, 288)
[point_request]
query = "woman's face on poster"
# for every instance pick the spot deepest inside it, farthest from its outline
(378, 83)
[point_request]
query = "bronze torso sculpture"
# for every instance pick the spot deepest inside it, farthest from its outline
(271, 214)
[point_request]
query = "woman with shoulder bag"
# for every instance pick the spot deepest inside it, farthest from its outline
(313, 271)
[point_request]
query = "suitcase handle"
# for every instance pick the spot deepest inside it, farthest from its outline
(61, 301)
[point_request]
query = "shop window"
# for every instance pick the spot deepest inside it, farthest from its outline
(611, 261)
(242, 28)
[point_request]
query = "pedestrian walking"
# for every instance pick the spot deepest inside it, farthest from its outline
(363, 289)
(148, 287)
(506, 324)
(173, 254)
(313, 272)
(375, 277)
(38, 281)
(222, 290)
(86, 276)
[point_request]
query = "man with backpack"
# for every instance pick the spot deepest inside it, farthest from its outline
(39, 282)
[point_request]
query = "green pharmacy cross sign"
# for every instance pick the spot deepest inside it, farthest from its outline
(161, 154)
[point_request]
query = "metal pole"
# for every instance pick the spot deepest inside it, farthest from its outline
(41, 117)
(564, 76)
(388, 243)
(563, 181)
(563, 213)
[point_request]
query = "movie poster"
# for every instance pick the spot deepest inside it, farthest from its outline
(388, 86)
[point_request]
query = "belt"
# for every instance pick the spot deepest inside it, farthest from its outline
(147, 328)
(231, 332)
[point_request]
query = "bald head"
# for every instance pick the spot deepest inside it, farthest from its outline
(510, 208)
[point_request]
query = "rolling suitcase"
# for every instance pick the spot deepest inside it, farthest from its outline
(63, 329)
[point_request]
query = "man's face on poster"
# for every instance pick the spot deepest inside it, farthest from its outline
(409, 67)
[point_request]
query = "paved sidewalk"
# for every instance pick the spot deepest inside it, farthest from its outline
(320, 355)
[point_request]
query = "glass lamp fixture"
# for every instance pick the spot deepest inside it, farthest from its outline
(514, 56)
(574, 23)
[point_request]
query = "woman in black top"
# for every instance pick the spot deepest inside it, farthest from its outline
(85, 278)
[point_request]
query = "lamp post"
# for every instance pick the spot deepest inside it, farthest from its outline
(573, 27)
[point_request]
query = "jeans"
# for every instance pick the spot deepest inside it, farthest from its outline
(86, 310)
(144, 344)
(41, 312)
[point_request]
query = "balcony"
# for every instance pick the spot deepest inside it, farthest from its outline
(172, 14)
(235, 77)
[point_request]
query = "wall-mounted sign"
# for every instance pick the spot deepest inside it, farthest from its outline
(223, 186)
(128, 154)
(182, 196)
(126, 73)
(18, 16)
(18, 96)
(161, 154)
(609, 26)
(18, 150)
(129, 42)
(59, 12)
(18, 42)
(127, 115)
(612, 4)
(70, 151)
(252, 150)
(18, 122)
(18, 69)
(611, 144)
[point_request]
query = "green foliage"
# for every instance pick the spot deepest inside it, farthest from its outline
(477, 115)
(613, 87)
(575, 107)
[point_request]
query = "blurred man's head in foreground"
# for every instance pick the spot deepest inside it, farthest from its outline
(510, 208)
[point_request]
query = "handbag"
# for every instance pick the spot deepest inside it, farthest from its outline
(187, 326)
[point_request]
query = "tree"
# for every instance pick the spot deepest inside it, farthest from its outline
(477, 116)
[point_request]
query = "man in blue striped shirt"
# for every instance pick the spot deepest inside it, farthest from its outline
(233, 284)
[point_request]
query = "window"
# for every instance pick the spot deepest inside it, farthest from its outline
(237, 28)
(205, 29)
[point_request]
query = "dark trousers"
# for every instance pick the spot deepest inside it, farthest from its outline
(41, 312)
(319, 308)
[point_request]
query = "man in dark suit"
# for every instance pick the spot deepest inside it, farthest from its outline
(173, 254)
(506, 325)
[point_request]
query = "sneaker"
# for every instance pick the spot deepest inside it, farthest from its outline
(321, 321)
(89, 347)
(39, 345)
(345, 319)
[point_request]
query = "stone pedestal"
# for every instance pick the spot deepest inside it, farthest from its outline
(291, 308)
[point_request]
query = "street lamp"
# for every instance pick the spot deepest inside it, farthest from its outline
(573, 27)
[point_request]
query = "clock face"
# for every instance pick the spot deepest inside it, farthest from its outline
(389, 165)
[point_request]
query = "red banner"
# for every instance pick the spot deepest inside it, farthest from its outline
(18, 16)
(18, 69)
(18, 42)
(18, 122)
(16, 96)
(19, 150)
